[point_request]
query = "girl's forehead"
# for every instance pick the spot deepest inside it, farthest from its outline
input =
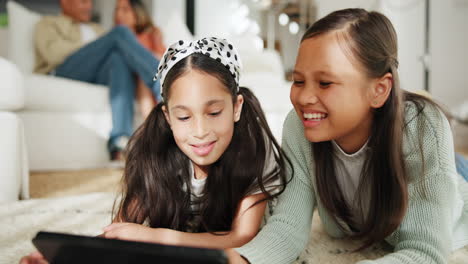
(197, 88)
(324, 54)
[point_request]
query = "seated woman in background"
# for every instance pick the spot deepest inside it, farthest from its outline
(134, 15)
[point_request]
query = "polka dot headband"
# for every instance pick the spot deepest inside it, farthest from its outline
(218, 49)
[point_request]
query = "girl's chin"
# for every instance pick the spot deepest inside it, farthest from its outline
(315, 138)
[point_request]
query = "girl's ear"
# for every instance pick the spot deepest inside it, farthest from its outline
(238, 107)
(166, 114)
(381, 90)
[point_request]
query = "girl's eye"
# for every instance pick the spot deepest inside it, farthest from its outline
(183, 118)
(297, 82)
(325, 84)
(215, 113)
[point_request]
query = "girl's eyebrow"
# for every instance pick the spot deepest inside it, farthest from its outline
(214, 101)
(326, 73)
(321, 72)
(209, 103)
(297, 72)
(179, 107)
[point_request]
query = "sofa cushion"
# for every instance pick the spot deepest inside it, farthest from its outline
(20, 39)
(55, 94)
(11, 89)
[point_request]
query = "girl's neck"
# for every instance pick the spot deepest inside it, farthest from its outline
(352, 147)
(343, 153)
(354, 142)
(200, 172)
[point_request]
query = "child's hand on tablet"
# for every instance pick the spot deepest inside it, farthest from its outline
(33, 258)
(129, 231)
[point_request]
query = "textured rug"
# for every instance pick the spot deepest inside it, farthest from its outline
(20, 221)
(87, 214)
(49, 184)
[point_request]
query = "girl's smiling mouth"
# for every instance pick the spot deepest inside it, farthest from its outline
(203, 149)
(313, 118)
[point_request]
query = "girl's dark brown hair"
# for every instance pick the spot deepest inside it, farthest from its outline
(370, 40)
(143, 18)
(157, 170)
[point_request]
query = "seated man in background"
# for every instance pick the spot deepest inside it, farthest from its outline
(70, 46)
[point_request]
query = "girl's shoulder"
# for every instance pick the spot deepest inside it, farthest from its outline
(293, 130)
(427, 140)
(422, 116)
(294, 140)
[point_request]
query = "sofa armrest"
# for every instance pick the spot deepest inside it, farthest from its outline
(12, 89)
(14, 169)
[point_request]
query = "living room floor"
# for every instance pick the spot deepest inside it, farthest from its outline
(68, 184)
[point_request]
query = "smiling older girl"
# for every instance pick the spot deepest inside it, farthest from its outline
(376, 162)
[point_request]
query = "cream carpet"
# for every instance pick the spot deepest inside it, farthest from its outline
(84, 214)
(80, 203)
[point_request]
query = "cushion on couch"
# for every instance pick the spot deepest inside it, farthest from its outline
(65, 95)
(22, 22)
(11, 88)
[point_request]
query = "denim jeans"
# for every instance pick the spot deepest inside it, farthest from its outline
(114, 60)
(462, 165)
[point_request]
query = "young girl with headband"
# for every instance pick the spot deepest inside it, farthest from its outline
(203, 165)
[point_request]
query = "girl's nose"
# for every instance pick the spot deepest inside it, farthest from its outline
(309, 96)
(201, 128)
(313, 99)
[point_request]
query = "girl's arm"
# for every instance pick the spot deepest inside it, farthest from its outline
(245, 226)
(286, 233)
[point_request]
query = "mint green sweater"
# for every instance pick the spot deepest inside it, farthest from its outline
(432, 227)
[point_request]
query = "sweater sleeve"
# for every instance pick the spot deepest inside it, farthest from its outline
(425, 234)
(50, 44)
(286, 233)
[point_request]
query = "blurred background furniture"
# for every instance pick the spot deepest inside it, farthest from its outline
(67, 122)
(14, 172)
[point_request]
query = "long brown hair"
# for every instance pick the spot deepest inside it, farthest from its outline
(157, 170)
(143, 18)
(370, 40)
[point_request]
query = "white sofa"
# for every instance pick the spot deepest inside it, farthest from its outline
(14, 173)
(67, 122)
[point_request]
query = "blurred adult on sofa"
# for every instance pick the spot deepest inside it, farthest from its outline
(134, 15)
(69, 45)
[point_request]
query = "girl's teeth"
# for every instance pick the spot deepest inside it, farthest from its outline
(314, 116)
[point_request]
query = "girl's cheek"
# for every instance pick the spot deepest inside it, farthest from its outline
(179, 131)
(293, 96)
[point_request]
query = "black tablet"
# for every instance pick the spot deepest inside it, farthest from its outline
(59, 248)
